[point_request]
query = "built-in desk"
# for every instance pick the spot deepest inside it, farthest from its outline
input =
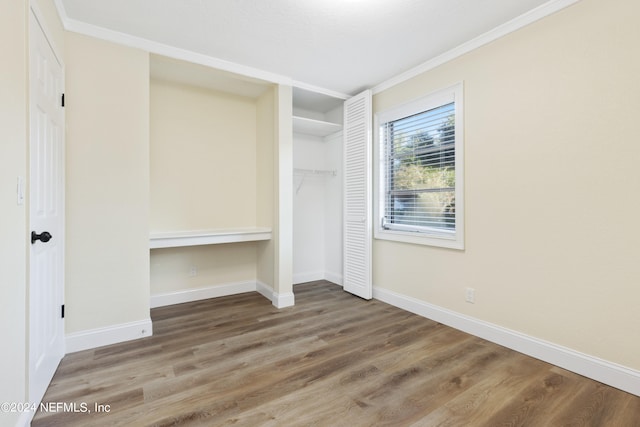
(175, 239)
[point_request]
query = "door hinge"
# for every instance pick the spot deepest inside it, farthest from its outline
(62, 311)
(63, 99)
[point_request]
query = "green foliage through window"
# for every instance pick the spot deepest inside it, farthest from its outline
(420, 170)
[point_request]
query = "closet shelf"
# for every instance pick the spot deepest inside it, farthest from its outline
(174, 239)
(314, 127)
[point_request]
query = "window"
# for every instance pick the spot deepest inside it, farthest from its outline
(420, 171)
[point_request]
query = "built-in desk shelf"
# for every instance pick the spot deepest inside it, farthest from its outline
(175, 239)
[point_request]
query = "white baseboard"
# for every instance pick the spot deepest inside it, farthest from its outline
(188, 295)
(264, 290)
(99, 337)
(308, 277)
(283, 300)
(333, 277)
(84, 340)
(299, 278)
(615, 375)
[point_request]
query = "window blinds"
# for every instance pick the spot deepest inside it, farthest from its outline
(419, 171)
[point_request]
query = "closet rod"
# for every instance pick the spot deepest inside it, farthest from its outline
(314, 172)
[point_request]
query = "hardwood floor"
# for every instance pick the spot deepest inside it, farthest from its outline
(332, 360)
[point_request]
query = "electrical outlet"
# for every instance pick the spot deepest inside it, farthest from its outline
(193, 271)
(470, 295)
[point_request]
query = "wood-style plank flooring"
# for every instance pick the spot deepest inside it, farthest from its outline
(332, 360)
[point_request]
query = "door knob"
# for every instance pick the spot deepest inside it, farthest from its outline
(44, 237)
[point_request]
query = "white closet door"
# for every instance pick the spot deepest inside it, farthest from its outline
(357, 195)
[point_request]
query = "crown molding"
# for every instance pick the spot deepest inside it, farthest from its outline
(320, 90)
(151, 46)
(515, 24)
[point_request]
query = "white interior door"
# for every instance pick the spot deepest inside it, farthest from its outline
(357, 195)
(46, 189)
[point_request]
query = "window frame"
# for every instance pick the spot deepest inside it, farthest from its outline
(431, 237)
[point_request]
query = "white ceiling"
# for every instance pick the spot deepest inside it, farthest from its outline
(338, 45)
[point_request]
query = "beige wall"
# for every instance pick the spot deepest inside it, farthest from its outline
(203, 156)
(552, 184)
(203, 176)
(107, 257)
(200, 138)
(215, 265)
(13, 218)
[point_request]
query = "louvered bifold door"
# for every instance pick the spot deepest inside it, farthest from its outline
(357, 195)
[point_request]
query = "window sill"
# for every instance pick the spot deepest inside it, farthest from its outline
(420, 239)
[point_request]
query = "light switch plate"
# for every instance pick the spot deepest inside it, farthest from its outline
(20, 190)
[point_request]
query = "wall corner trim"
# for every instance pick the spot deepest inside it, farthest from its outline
(609, 373)
(92, 338)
